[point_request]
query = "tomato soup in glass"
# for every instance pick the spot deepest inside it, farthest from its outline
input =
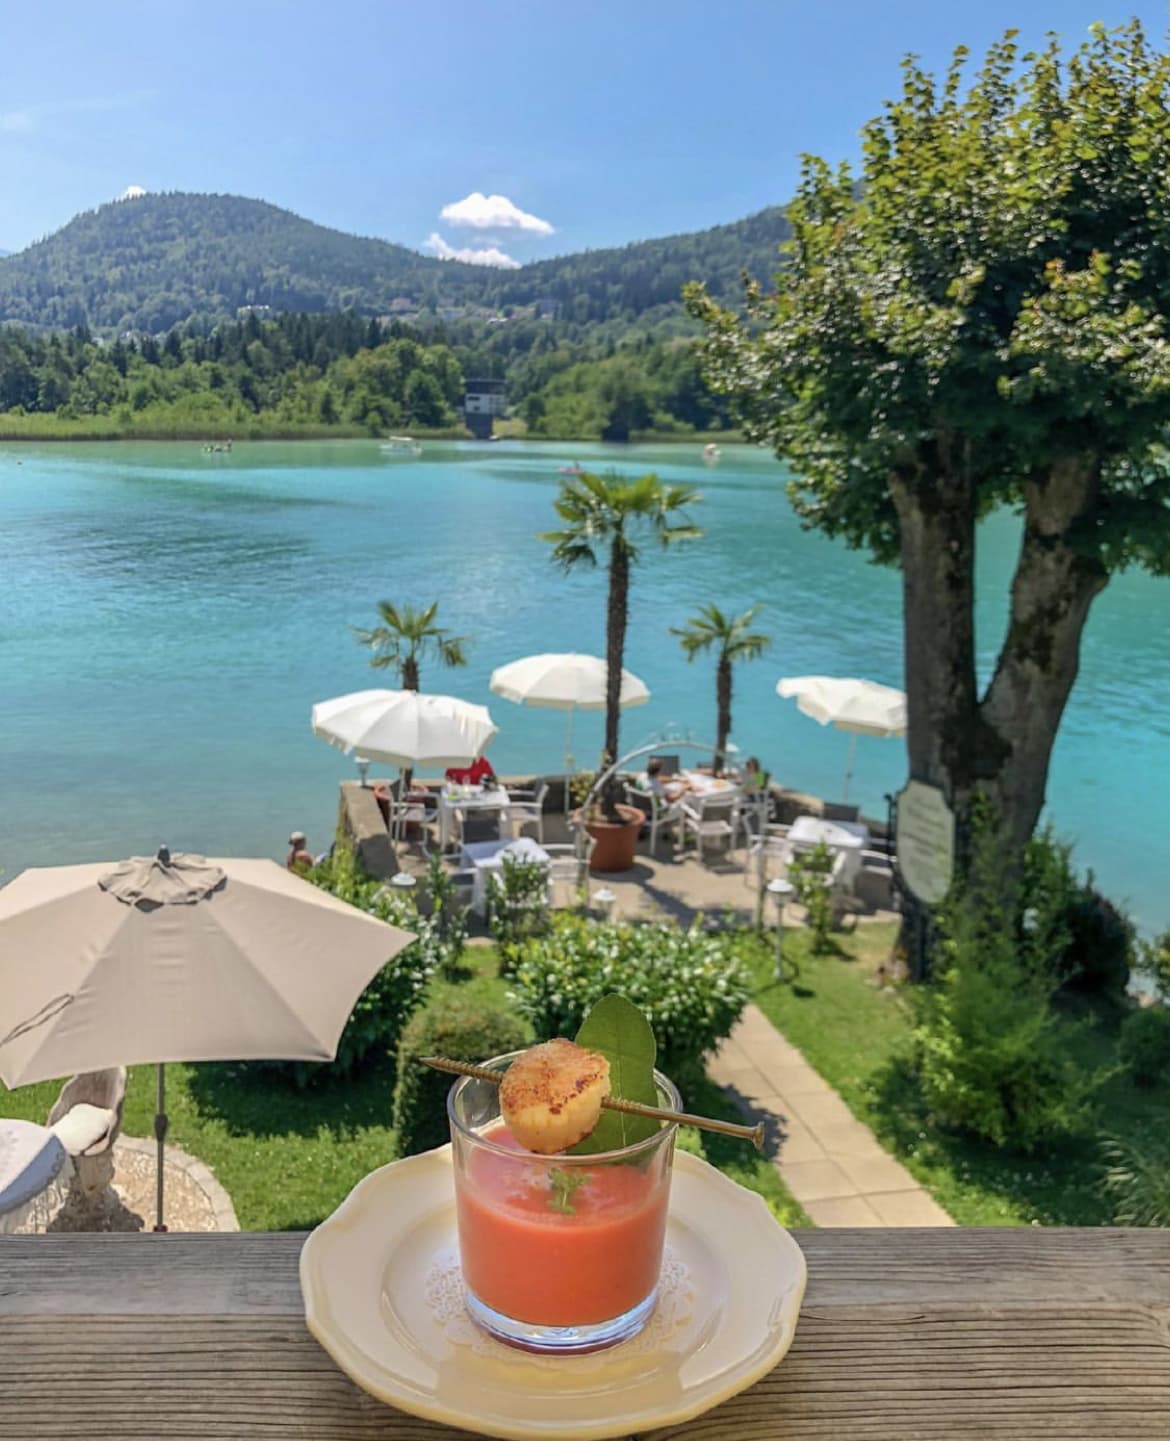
(559, 1253)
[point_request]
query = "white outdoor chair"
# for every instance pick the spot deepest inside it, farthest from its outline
(403, 814)
(526, 808)
(564, 871)
(712, 817)
(771, 852)
(661, 814)
(753, 814)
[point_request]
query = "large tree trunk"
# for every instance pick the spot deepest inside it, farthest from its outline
(617, 615)
(1000, 746)
(1053, 588)
(723, 711)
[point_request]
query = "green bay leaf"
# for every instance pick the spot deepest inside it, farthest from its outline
(619, 1030)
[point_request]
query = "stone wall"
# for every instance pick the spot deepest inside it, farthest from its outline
(360, 822)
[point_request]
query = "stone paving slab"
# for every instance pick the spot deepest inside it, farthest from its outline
(831, 1162)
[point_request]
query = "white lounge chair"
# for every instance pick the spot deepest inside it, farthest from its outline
(86, 1118)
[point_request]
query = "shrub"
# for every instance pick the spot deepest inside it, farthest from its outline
(1137, 1183)
(1144, 1045)
(461, 1031)
(394, 994)
(447, 932)
(1153, 963)
(992, 1057)
(689, 984)
(1092, 942)
(810, 872)
(517, 906)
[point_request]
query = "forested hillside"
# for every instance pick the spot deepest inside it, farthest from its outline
(314, 373)
(157, 261)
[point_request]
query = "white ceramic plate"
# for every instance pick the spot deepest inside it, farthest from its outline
(380, 1281)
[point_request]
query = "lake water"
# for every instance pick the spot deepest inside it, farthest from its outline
(168, 618)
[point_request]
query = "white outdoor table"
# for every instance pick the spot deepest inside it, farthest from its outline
(837, 835)
(455, 801)
(487, 858)
(35, 1171)
(851, 837)
(698, 782)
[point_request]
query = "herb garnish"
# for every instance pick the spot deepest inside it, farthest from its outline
(563, 1185)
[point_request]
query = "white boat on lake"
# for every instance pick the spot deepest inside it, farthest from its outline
(401, 445)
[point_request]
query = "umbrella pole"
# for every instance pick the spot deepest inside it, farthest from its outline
(569, 744)
(160, 1135)
(849, 765)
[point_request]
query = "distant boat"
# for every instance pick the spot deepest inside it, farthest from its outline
(711, 453)
(219, 447)
(401, 445)
(573, 469)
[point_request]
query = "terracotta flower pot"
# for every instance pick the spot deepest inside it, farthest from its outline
(615, 845)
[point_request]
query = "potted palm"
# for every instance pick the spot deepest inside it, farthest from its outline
(607, 515)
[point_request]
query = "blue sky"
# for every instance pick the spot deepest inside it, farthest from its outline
(598, 123)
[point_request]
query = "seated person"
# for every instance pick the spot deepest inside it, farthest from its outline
(299, 856)
(478, 773)
(753, 778)
(666, 788)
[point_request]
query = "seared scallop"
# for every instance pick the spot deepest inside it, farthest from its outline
(551, 1095)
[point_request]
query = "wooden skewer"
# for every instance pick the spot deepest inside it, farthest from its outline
(755, 1133)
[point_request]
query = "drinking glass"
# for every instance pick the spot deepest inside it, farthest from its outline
(559, 1253)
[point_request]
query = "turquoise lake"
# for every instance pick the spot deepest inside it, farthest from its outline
(168, 618)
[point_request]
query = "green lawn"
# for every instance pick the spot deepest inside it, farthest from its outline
(288, 1157)
(856, 1033)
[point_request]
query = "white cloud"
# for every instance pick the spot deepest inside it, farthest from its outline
(493, 212)
(491, 256)
(132, 192)
(31, 116)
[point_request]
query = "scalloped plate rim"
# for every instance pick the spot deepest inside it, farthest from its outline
(344, 1354)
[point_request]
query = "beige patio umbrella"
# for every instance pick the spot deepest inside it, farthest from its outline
(177, 958)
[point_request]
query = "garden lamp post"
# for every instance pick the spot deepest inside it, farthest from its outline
(604, 899)
(781, 892)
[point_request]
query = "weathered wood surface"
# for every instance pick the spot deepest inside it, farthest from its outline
(906, 1335)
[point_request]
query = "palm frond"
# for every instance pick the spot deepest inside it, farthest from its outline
(453, 650)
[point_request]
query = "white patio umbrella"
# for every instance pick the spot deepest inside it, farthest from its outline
(862, 707)
(405, 728)
(567, 682)
(176, 958)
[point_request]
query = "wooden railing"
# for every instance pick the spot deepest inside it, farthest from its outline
(907, 1335)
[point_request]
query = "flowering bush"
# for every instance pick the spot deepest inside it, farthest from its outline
(688, 984)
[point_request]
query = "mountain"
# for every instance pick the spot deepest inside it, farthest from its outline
(159, 260)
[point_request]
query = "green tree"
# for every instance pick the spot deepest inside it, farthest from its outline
(407, 636)
(978, 321)
(423, 400)
(732, 638)
(608, 513)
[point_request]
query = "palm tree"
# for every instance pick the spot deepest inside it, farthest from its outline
(734, 640)
(406, 636)
(606, 513)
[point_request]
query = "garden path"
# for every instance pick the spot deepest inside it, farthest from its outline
(829, 1160)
